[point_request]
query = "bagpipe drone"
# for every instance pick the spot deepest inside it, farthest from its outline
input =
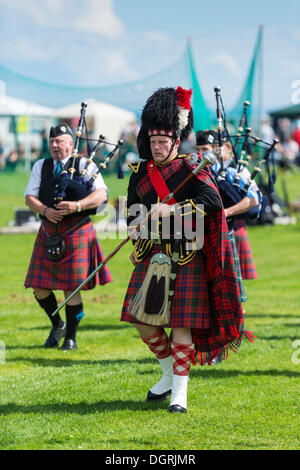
(244, 151)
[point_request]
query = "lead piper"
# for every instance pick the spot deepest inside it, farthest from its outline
(191, 289)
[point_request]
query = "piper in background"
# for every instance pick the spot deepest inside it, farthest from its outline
(234, 211)
(191, 289)
(66, 249)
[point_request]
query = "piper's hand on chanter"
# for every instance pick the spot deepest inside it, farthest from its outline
(67, 207)
(53, 215)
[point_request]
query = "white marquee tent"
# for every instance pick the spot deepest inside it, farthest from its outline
(18, 118)
(14, 107)
(107, 119)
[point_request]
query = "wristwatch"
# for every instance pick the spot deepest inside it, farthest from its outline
(79, 208)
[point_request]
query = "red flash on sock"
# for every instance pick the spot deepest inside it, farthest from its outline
(183, 355)
(159, 344)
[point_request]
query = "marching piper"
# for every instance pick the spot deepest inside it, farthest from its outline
(178, 283)
(244, 262)
(208, 140)
(66, 249)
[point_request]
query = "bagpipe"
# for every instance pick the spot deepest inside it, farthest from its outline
(74, 185)
(220, 127)
(232, 183)
(243, 122)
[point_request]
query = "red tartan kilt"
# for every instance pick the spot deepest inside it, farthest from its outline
(82, 255)
(190, 303)
(247, 265)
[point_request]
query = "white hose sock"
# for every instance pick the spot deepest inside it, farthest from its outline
(179, 390)
(165, 382)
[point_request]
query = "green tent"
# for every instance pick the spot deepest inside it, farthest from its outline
(133, 95)
(252, 90)
(202, 114)
(292, 112)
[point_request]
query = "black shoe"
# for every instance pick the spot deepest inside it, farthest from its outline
(163, 396)
(68, 344)
(177, 409)
(54, 337)
(216, 360)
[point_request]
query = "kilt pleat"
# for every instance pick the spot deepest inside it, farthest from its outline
(190, 303)
(83, 254)
(247, 264)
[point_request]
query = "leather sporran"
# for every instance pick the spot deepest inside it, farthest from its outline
(55, 247)
(151, 303)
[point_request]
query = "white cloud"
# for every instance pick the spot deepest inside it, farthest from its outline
(46, 13)
(24, 48)
(227, 61)
(117, 64)
(100, 19)
(56, 33)
(90, 16)
(157, 37)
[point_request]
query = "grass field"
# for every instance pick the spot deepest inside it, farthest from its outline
(94, 397)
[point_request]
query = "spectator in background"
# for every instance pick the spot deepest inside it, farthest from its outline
(11, 160)
(34, 154)
(267, 131)
(44, 148)
(21, 153)
(296, 133)
(283, 129)
(296, 138)
(290, 150)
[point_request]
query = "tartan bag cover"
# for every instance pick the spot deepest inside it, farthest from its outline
(82, 255)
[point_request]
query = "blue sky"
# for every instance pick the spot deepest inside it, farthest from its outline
(101, 42)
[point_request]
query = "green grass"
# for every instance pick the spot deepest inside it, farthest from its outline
(94, 397)
(12, 187)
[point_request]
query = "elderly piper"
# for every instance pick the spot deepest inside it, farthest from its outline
(66, 249)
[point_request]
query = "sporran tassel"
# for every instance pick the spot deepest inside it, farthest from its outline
(155, 295)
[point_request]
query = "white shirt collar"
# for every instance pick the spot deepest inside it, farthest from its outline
(64, 161)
